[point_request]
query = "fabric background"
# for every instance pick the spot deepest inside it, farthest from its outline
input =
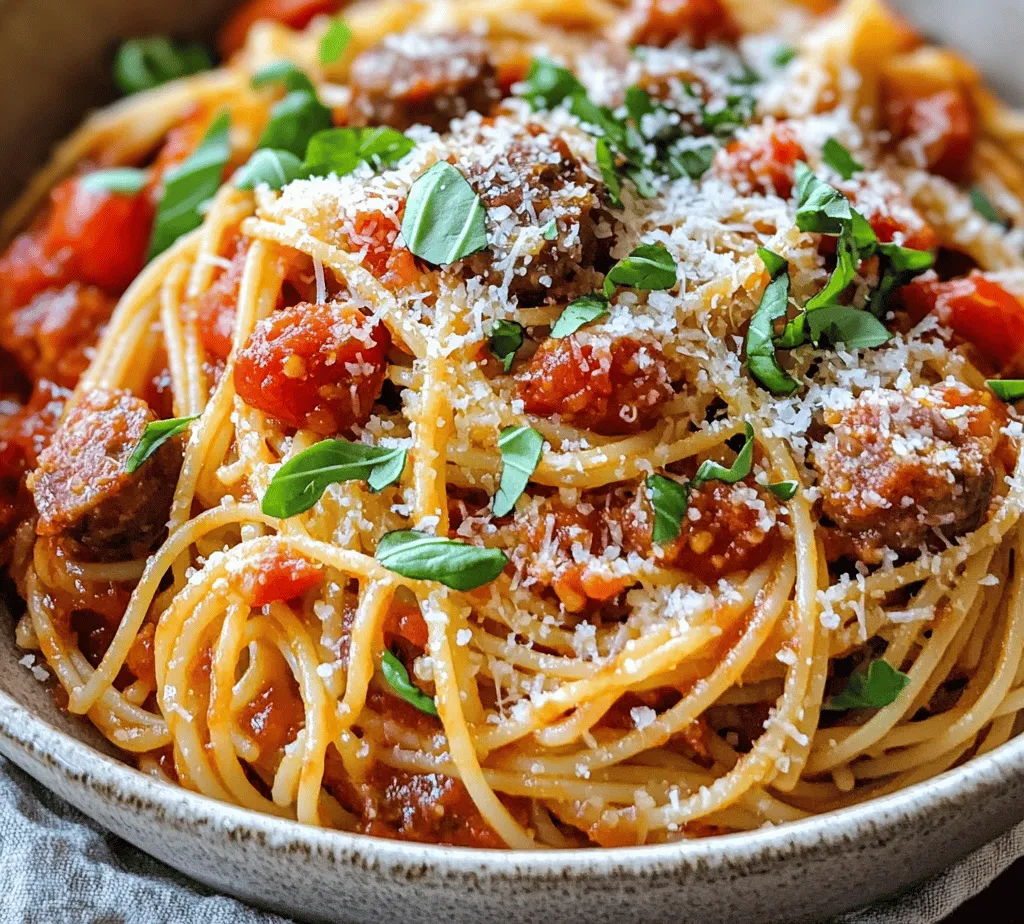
(57, 867)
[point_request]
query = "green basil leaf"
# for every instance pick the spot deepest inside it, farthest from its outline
(294, 121)
(820, 208)
(301, 481)
(760, 341)
(444, 218)
(398, 679)
(289, 75)
(854, 329)
(783, 55)
(550, 231)
(847, 261)
(153, 437)
(341, 150)
(505, 340)
(740, 468)
(268, 167)
(189, 186)
(876, 688)
(648, 267)
(784, 490)
(899, 266)
(606, 164)
(334, 42)
(670, 500)
(144, 63)
(422, 557)
(1007, 389)
(840, 159)
(985, 208)
(521, 449)
(737, 111)
(548, 84)
(693, 162)
(126, 181)
(578, 312)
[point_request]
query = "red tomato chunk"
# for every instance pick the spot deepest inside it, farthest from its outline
(943, 126)
(764, 160)
(277, 577)
(696, 22)
(295, 14)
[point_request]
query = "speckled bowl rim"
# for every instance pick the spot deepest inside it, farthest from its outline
(85, 766)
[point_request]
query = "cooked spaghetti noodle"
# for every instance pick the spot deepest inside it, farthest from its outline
(743, 573)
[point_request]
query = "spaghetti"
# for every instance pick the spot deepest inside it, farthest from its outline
(534, 424)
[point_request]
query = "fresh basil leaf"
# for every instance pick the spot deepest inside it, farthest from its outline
(648, 267)
(760, 341)
(189, 186)
(985, 208)
(1007, 389)
(422, 557)
(334, 41)
(784, 490)
(740, 468)
(301, 481)
(294, 121)
(820, 208)
(578, 312)
(548, 84)
(505, 340)
(899, 266)
(550, 231)
(126, 181)
(839, 324)
(840, 159)
(723, 120)
(268, 167)
(521, 449)
(670, 500)
(289, 75)
(153, 437)
(606, 164)
(693, 162)
(847, 261)
(398, 679)
(144, 63)
(876, 688)
(341, 150)
(783, 55)
(444, 218)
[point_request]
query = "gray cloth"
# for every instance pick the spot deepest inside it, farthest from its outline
(57, 867)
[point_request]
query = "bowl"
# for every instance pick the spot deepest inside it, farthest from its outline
(802, 871)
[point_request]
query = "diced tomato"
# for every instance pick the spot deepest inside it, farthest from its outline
(273, 719)
(105, 234)
(944, 124)
(394, 266)
(26, 270)
(277, 577)
(697, 22)
(296, 14)
(53, 335)
(405, 620)
(765, 160)
(215, 313)
(315, 366)
(887, 225)
(977, 310)
(612, 388)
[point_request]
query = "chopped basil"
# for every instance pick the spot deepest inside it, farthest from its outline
(444, 218)
(521, 449)
(398, 679)
(190, 186)
(760, 342)
(144, 63)
(153, 437)
(548, 84)
(124, 180)
(840, 159)
(648, 267)
(783, 55)
(268, 167)
(670, 500)
(693, 161)
(821, 208)
(550, 231)
(301, 481)
(723, 120)
(334, 42)
(847, 261)
(985, 208)
(740, 468)
(422, 557)
(876, 688)
(841, 325)
(578, 312)
(784, 490)
(1007, 389)
(289, 75)
(606, 164)
(341, 150)
(294, 121)
(899, 266)
(505, 340)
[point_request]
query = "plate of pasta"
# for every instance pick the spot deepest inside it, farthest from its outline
(522, 453)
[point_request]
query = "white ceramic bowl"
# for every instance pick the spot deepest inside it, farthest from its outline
(802, 871)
